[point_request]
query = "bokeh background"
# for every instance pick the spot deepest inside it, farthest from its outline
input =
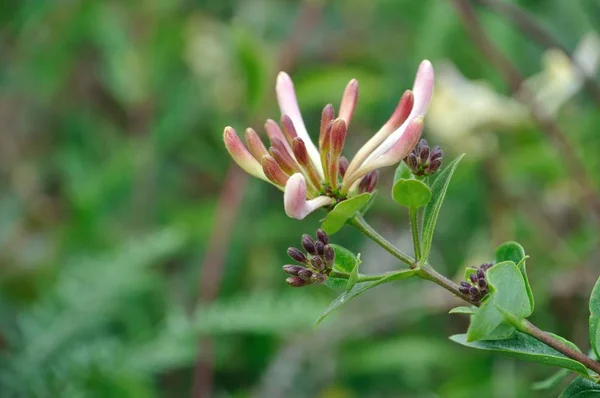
(137, 261)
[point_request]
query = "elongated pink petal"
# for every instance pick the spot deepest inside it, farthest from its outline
(396, 153)
(294, 198)
(240, 154)
(422, 90)
(288, 105)
(400, 114)
(349, 99)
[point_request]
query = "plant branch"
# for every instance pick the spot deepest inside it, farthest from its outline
(413, 213)
(559, 346)
(359, 223)
(429, 273)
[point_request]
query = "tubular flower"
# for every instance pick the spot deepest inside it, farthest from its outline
(313, 177)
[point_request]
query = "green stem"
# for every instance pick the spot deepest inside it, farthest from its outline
(413, 213)
(361, 278)
(359, 223)
(427, 272)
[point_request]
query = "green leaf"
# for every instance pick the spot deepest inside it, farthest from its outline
(432, 210)
(488, 323)
(343, 211)
(595, 318)
(367, 207)
(463, 310)
(353, 278)
(581, 388)
(345, 260)
(336, 283)
(360, 288)
(550, 382)
(411, 193)
(525, 347)
(402, 171)
(512, 251)
(509, 292)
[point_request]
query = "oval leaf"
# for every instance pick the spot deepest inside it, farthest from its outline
(343, 211)
(345, 260)
(488, 323)
(512, 251)
(360, 288)
(432, 210)
(509, 291)
(411, 193)
(525, 347)
(595, 318)
(581, 388)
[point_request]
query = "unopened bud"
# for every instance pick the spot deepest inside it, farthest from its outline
(296, 281)
(317, 263)
(423, 151)
(273, 172)
(297, 255)
(328, 255)
(480, 273)
(322, 236)
(319, 246)
(473, 278)
(464, 289)
(434, 166)
(309, 244)
(283, 158)
(343, 164)
(369, 182)
(436, 153)
(255, 145)
(300, 152)
(326, 118)
(292, 270)
(288, 127)
(482, 283)
(318, 278)
(305, 274)
(338, 137)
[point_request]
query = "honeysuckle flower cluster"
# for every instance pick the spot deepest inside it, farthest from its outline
(313, 177)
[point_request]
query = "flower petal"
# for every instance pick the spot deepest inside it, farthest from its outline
(240, 154)
(395, 154)
(294, 198)
(422, 90)
(288, 105)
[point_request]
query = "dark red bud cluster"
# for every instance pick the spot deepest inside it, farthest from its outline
(476, 287)
(316, 262)
(424, 161)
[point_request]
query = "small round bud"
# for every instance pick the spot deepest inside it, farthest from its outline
(465, 284)
(481, 283)
(434, 166)
(473, 278)
(480, 274)
(411, 161)
(464, 289)
(474, 291)
(292, 270)
(328, 255)
(436, 153)
(309, 244)
(319, 246)
(318, 278)
(297, 255)
(305, 274)
(322, 236)
(317, 263)
(424, 154)
(296, 281)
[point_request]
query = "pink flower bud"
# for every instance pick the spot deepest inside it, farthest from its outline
(283, 157)
(288, 128)
(273, 171)
(338, 136)
(294, 198)
(300, 152)
(240, 154)
(349, 99)
(255, 145)
(327, 117)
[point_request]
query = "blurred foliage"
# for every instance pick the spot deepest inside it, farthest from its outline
(112, 163)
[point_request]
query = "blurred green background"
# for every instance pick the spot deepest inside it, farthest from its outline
(137, 261)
